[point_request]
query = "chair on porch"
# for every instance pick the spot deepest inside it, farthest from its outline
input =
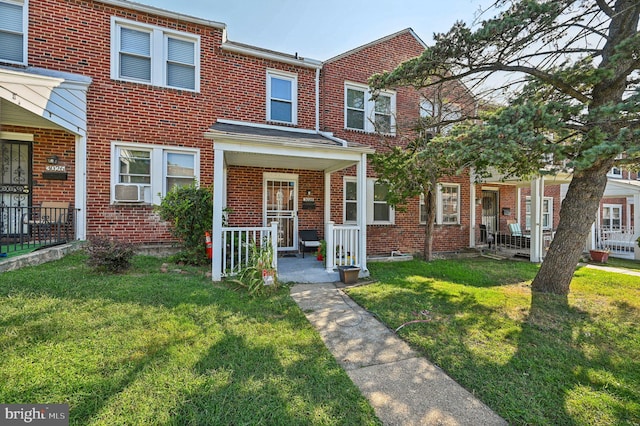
(518, 239)
(49, 220)
(308, 240)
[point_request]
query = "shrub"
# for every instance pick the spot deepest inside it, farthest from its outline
(189, 209)
(109, 255)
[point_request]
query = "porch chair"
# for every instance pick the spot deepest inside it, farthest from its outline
(519, 239)
(49, 220)
(308, 240)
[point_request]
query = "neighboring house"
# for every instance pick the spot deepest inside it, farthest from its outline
(108, 104)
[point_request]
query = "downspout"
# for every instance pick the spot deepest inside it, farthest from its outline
(317, 99)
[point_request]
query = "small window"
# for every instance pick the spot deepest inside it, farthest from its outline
(378, 211)
(612, 216)
(547, 213)
(350, 201)
(144, 173)
(13, 26)
(362, 112)
(447, 205)
(443, 115)
(381, 209)
(281, 97)
(154, 55)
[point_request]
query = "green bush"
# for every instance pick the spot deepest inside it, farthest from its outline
(109, 255)
(189, 209)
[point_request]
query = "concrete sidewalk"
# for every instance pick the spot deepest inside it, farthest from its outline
(403, 387)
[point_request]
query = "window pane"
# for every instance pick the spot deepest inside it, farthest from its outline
(181, 51)
(351, 191)
(355, 99)
(449, 204)
(383, 105)
(181, 76)
(136, 42)
(135, 67)
(383, 123)
(11, 18)
(281, 111)
(381, 212)
(355, 119)
(173, 181)
(423, 213)
(135, 166)
(351, 211)
(11, 47)
(180, 164)
(281, 89)
(380, 192)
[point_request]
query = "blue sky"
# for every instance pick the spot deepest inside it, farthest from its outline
(321, 29)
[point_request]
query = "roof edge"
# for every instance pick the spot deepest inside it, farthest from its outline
(164, 13)
(380, 40)
(261, 53)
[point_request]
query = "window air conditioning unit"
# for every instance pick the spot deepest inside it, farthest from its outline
(129, 193)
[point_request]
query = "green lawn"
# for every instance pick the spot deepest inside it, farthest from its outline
(542, 360)
(168, 348)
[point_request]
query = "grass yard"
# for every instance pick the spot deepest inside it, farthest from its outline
(168, 348)
(544, 360)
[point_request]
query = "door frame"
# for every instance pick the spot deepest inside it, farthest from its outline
(282, 177)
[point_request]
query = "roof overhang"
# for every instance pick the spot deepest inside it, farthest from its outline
(524, 182)
(621, 188)
(282, 150)
(34, 97)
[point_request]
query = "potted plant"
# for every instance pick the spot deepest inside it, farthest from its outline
(322, 250)
(599, 255)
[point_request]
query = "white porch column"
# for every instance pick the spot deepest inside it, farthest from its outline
(274, 244)
(327, 198)
(636, 227)
(537, 194)
(472, 212)
(216, 227)
(80, 201)
(362, 212)
(330, 255)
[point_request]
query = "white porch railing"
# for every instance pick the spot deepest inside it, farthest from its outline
(237, 244)
(618, 241)
(344, 242)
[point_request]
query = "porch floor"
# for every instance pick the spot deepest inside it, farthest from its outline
(293, 268)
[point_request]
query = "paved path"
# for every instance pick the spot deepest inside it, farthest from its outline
(612, 269)
(403, 387)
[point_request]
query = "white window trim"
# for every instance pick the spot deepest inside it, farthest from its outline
(439, 205)
(369, 108)
(25, 32)
(294, 94)
(612, 207)
(527, 216)
(369, 206)
(158, 169)
(159, 52)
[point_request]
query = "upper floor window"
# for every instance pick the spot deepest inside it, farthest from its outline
(447, 205)
(143, 173)
(443, 115)
(13, 31)
(282, 93)
(615, 172)
(154, 55)
(367, 114)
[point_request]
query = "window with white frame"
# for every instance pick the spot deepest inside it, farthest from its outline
(154, 55)
(367, 114)
(439, 113)
(143, 173)
(447, 205)
(282, 93)
(13, 31)
(379, 212)
(612, 216)
(615, 172)
(547, 213)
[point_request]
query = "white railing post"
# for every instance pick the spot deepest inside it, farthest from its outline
(331, 250)
(274, 244)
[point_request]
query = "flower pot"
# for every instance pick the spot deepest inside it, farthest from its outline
(601, 256)
(348, 274)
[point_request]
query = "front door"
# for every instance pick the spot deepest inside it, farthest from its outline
(490, 211)
(281, 205)
(15, 185)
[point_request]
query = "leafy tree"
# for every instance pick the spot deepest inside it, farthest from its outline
(575, 105)
(415, 168)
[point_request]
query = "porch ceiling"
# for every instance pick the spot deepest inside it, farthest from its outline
(252, 159)
(11, 114)
(621, 188)
(560, 178)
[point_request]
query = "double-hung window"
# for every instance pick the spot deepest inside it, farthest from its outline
(447, 205)
(143, 173)
(362, 112)
(378, 210)
(154, 55)
(13, 31)
(547, 213)
(282, 92)
(612, 216)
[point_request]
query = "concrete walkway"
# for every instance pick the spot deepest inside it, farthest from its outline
(403, 387)
(612, 269)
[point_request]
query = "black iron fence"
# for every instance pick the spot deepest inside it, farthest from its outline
(23, 229)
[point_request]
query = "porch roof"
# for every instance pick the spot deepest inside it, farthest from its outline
(248, 144)
(621, 188)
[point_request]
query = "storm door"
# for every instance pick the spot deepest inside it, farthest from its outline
(281, 205)
(490, 211)
(15, 186)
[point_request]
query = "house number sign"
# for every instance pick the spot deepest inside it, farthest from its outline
(56, 168)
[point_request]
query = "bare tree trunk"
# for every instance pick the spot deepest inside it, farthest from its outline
(430, 206)
(577, 214)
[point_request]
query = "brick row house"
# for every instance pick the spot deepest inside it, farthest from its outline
(105, 105)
